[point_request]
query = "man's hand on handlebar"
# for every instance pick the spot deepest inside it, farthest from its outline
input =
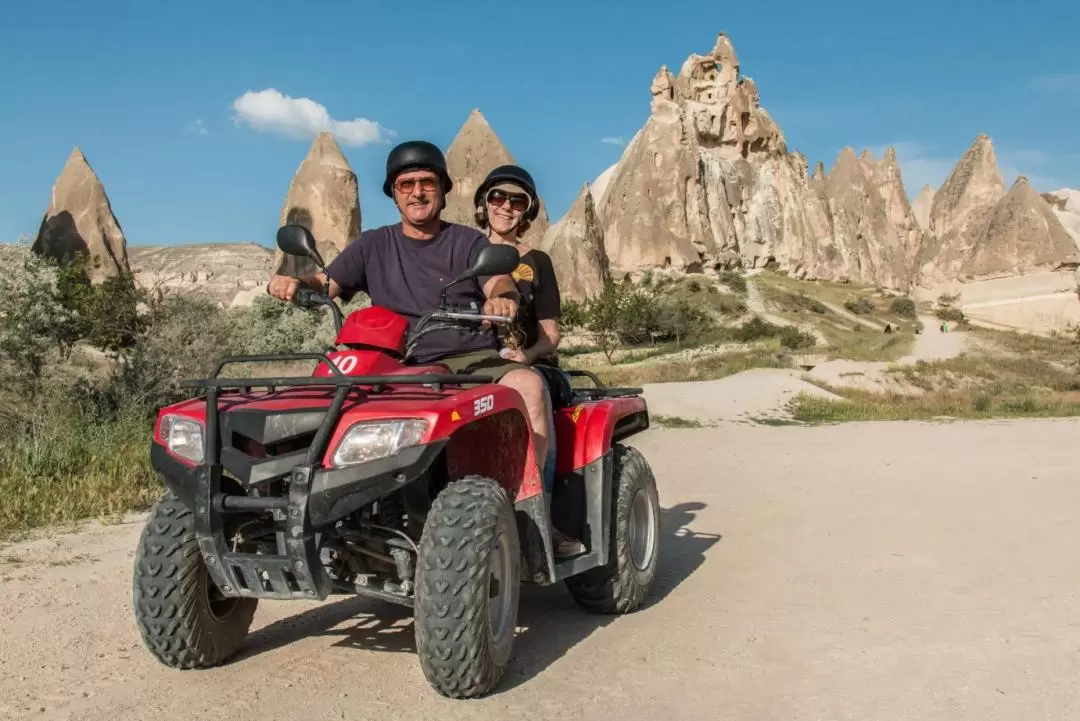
(283, 287)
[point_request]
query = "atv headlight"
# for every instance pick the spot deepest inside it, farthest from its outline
(370, 441)
(183, 436)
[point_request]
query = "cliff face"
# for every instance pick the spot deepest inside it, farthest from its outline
(222, 271)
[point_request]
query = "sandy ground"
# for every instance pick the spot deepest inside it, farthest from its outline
(874, 571)
(748, 396)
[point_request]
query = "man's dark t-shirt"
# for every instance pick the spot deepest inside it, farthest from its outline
(540, 297)
(407, 276)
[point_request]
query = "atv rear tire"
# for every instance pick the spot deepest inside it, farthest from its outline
(467, 588)
(622, 584)
(185, 623)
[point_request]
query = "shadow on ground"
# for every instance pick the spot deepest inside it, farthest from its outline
(549, 621)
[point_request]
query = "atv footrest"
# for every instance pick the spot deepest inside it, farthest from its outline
(265, 576)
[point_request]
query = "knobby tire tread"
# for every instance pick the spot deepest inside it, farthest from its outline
(452, 638)
(168, 594)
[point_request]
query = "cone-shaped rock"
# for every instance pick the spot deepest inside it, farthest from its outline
(959, 214)
(921, 206)
(80, 220)
(1022, 235)
(576, 246)
(890, 183)
(324, 197)
(475, 152)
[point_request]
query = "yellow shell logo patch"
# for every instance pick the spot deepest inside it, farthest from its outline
(522, 272)
(576, 414)
(455, 416)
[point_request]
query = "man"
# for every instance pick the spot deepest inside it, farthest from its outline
(403, 267)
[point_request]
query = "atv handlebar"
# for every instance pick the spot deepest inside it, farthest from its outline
(308, 298)
(441, 319)
(478, 317)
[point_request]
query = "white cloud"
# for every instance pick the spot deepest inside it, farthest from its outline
(270, 111)
(613, 141)
(198, 127)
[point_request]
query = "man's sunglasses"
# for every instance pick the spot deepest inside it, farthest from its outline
(517, 201)
(406, 185)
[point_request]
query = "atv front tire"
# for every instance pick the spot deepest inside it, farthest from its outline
(622, 584)
(185, 623)
(468, 585)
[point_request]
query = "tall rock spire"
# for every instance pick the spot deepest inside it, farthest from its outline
(80, 219)
(576, 246)
(324, 197)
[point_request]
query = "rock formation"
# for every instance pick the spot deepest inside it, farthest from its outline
(80, 219)
(1005, 255)
(475, 152)
(959, 215)
(1065, 204)
(222, 271)
(324, 197)
(921, 206)
(898, 211)
(708, 182)
(1022, 235)
(576, 247)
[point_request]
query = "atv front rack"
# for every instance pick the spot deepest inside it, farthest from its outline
(298, 572)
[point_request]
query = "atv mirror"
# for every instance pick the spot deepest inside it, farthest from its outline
(496, 259)
(298, 240)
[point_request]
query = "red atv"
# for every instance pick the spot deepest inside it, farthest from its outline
(403, 483)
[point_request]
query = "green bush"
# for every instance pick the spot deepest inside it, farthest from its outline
(952, 315)
(758, 329)
(733, 280)
(904, 307)
(862, 306)
(573, 314)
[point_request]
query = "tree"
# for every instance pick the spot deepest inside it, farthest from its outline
(33, 321)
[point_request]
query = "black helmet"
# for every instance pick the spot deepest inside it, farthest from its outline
(510, 174)
(416, 155)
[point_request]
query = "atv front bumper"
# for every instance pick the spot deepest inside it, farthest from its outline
(316, 498)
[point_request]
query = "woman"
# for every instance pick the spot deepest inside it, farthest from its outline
(506, 204)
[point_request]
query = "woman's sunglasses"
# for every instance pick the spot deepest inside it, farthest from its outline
(517, 201)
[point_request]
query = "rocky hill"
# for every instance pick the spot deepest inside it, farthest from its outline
(230, 273)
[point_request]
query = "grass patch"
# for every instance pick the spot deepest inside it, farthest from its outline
(694, 369)
(674, 422)
(64, 468)
(867, 406)
(862, 344)
(971, 386)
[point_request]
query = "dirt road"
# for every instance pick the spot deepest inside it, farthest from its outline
(877, 571)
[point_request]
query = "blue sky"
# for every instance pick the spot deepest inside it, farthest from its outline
(147, 90)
